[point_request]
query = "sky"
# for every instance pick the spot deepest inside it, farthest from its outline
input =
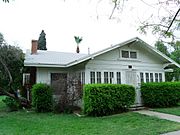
(23, 20)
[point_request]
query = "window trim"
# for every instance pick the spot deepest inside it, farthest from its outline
(129, 52)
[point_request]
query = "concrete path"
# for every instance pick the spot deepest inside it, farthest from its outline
(172, 133)
(160, 115)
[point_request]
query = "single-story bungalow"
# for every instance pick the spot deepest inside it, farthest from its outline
(131, 62)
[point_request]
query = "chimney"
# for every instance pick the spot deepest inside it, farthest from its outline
(34, 47)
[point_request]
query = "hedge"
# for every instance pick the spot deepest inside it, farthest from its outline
(106, 99)
(42, 99)
(163, 94)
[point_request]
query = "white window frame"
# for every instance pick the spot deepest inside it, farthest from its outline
(98, 77)
(92, 77)
(129, 50)
(118, 78)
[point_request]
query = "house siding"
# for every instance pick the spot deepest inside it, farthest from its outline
(113, 62)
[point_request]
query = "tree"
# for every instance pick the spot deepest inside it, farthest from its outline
(11, 64)
(175, 55)
(6, 1)
(42, 41)
(78, 41)
(162, 48)
(166, 23)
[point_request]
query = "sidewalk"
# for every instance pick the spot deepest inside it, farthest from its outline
(162, 116)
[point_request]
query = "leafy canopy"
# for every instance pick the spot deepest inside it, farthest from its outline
(11, 59)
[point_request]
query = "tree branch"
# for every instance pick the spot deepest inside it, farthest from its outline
(173, 20)
(115, 5)
(7, 71)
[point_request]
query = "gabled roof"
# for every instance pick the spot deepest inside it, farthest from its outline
(61, 59)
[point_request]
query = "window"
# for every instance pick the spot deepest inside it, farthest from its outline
(147, 77)
(160, 77)
(111, 77)
(98, 77)
(151, 77)
(129, 54)
(125, 54)
(118, 77)
(133, 55)
(142, 77)
(92, 75)
(26, 78)
(156, 77)
(105, 77)
(83, 77)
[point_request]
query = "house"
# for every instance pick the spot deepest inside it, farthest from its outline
(131, 62)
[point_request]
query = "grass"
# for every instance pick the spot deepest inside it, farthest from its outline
(30, 123)
(2, 105)
(171, 110)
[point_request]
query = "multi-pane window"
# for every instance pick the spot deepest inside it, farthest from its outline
(147, 77)
(129, 54)
(142, 77)
(156, 77)
(133, 55)
(111, 77)
(105, 77)
(151, 77)
(125, 54)
(118, 77)
(98, 77)
(26, 78)
(92, 75)
(160, 77)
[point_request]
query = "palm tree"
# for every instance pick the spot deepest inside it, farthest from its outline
(78, 41)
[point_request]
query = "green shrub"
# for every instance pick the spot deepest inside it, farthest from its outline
(163, 94)
(106, 99)
(12, 104)
(42, 97)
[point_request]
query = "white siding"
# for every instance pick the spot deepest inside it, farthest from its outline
(112, 62)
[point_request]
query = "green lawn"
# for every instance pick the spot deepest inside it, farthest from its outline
(172, 110)
(30, 123)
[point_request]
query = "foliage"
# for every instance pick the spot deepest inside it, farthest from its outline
(13, 59)
(6, 1)
(42, 41)
(77, 39)
(165, 23)
(175, 55)
(70, 98)
(105, 99)
(162, 48)
(42, 97)
(12, 104)
(163, 94)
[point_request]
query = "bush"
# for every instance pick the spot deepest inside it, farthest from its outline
(106, 99)
(42, 97)
(163, 94)
(12, 104)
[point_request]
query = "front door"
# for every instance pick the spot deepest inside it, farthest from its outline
(59, 83)
(131, 78)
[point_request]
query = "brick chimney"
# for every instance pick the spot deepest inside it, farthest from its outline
(34, 47)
